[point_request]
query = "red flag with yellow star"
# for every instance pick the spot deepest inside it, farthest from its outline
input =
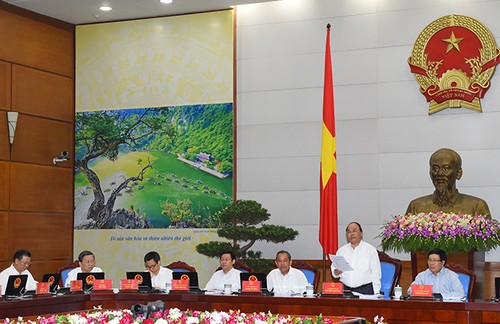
(328, 222)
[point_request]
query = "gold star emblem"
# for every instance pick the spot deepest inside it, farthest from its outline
(452, 42)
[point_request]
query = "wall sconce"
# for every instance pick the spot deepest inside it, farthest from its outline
(12, 122)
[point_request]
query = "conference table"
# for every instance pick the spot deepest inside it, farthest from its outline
(394, 311)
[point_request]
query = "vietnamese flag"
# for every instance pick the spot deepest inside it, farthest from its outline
(328, 223)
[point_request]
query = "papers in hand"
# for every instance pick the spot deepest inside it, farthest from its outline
(339, 262)
(372, 297)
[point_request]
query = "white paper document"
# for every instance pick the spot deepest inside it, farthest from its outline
(339, 262)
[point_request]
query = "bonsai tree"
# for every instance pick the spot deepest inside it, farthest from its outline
(242, 223)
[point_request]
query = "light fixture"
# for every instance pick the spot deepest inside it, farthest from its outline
(12, 121)
(105, 8)
(166, 1)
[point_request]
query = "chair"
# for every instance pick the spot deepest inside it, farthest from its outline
(239, 266)
(467, 278)
(391, 272)
(242, 267)
(65, 270)
(311, 272)
(180, 266)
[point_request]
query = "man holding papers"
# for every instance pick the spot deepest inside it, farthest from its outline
(443, 280)
(362, 257)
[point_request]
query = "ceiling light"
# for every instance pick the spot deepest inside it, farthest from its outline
(166, 1)
(105, 8)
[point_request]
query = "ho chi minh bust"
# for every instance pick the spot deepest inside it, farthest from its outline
(445, 170)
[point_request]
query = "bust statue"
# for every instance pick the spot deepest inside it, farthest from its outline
(445, 169)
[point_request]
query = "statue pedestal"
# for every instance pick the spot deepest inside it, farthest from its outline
(473, 260)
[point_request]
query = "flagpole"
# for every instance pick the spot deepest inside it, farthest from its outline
(328, 227)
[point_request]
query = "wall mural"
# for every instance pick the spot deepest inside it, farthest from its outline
(153, 138)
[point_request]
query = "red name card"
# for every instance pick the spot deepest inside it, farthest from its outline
(76, 285)
(103, 284)
(333, 288)
(43, 288)
(129, 284)
(421, 290)
(252, 285)
(180, 284)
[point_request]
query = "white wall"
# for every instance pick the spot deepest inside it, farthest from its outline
(384, 134)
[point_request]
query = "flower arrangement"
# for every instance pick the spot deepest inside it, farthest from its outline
(450, 232)
(171, 316)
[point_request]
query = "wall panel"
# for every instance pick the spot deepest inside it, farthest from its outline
(4, 137)
(4, 85)
(38, 44)
(42, 94)
(40, 188)
(46, 236)
(39, 140)
(4, 185)
(4, 235)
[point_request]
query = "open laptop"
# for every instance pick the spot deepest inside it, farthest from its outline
(88, 279)
(244, 276)
(497, 288)
(16, 287)
(143, 280)
(193, 280)
(53, 280)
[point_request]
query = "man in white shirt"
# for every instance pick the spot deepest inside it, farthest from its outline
(227, 274)
(86, 260)
(160, 276)
(363, 258)
(285, 279)
(19, 266)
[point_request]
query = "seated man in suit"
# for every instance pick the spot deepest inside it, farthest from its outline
(443, 280)
(227, 274)
(445, 169)
(86, 260)
(21, 262)
(160, 276)
(285, 279)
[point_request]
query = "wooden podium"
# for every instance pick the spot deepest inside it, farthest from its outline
(473, 260)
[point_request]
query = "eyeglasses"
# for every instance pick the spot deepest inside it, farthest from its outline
(433, 260)
(151, 267)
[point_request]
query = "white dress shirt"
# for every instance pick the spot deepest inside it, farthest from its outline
(219, 278)
(294, 282)
(74, 273)
(160, 280)
(11, 271)
(366, 264)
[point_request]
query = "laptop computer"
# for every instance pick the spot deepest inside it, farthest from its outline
(53, 280)
(88, 279)
(143, 280)
(244, 276)
(193, 280)
(497, 288)
(16, 287)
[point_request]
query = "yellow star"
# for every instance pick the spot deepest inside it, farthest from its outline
(452, 42)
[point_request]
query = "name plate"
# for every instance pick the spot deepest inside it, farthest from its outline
(333, 288)
(129, 284)
(43, 288)
(421, 290)
(76, 285)
(103, 284)
(180, 284)
(252, 285)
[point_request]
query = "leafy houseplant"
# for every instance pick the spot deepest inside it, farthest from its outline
(451, 232)
(242, 221)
